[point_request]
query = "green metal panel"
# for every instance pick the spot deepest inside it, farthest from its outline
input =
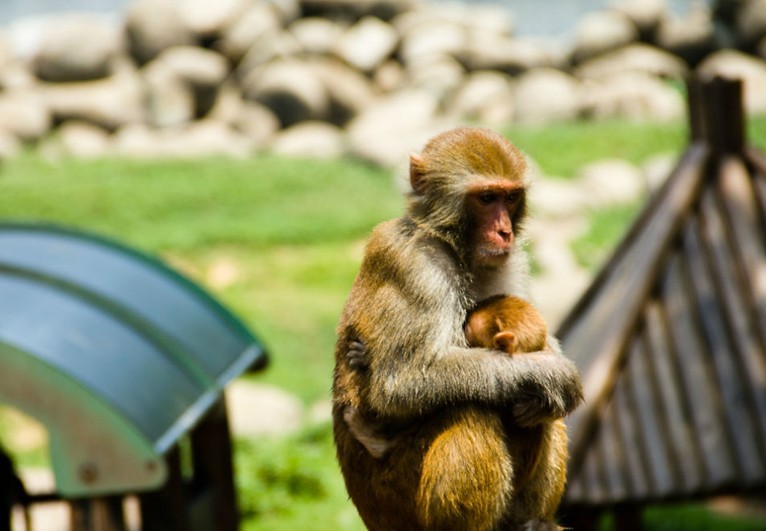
(150, 347)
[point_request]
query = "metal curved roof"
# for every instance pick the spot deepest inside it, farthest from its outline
(108, 346)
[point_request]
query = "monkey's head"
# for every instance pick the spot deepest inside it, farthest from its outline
(469, 189)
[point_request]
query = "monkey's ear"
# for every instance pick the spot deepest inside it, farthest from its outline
(505, 341)
(417, 174)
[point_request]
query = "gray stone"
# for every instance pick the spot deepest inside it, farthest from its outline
(367, 44)
(153, 25)
(202, 138)
(633, 96)
(642, 58)
(207, 18)
(691, 37)
(508, 54)
(317, 35)
(83, 140)
(349, 91)
(611, 181)
(77, 48)
(737, 65)
(291, 89)
(647, 15)
(545, 95)
(751, 22)
(486, 97)
(391, 128)
(257, 410)
(242, 34)
(602, 31)
(202, 71)
(170, 101)
(310, 139)
(24, 114)
(253, 120)
(110, 102)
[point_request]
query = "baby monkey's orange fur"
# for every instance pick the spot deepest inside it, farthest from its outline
(538, 454)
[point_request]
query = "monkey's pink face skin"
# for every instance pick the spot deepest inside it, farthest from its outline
(492, 205)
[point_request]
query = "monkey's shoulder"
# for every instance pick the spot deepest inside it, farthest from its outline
(398, 250)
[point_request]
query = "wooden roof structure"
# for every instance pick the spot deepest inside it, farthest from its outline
(670, 338)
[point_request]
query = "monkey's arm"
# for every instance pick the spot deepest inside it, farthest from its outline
(538, 387)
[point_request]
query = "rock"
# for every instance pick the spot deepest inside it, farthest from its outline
(273, 45)
(170, 101)
(257, 123)
(440, 76)
(633, 96)
(348, 90)
(658, 168)
(9, 145)
(691, 37)
(355, 9)
(367, 44)
(751, 22)
(242, 34)
(208, 18)
(316, 35)
(429, 39)
(509, 55)
(641, 58)
(310, 139)
(486, 97)
(77, 48)
(387, 131)
(647, 15)
(201, 70)
(110, 103)
(291, 89)
(153, 25)
(545, 95)
(256, 410)
(611, 181)
(737, 65)
(83, 140)
(24, 114)
(202, 138)
(552, 197)
(602, 31)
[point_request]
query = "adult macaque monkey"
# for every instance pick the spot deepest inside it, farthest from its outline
(416, 375)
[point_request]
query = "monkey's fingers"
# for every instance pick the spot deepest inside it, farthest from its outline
(356, 356)
(532, 411)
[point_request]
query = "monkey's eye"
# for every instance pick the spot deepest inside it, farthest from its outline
(513, 197)
(487, 198)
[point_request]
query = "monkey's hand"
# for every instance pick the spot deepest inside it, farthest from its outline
(548, 395)
(356, 355)
(367, 433)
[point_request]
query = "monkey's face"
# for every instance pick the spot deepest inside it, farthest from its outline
(493, 207)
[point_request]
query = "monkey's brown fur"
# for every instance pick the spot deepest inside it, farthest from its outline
(421, 273)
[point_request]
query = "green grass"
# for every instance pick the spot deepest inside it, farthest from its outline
(293, 230)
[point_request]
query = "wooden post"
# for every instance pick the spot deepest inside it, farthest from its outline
(98, 514)
(213, 468)
(165, 509)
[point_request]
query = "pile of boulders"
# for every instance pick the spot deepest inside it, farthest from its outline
(366, 78)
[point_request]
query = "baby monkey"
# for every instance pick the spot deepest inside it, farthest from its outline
(538, 454)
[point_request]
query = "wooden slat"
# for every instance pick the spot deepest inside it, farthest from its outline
(594, 489)
(748, 238)
(637, 469)
(621, 299)
(612, 451)
(651, 439)
(676, 415)
(741, 389)
(696, 382)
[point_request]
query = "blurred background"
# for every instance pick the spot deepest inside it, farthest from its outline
(253, 145)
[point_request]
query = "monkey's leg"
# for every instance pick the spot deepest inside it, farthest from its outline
(465, 482)
(538, 499)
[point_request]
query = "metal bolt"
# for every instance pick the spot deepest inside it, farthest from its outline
(88, 473)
